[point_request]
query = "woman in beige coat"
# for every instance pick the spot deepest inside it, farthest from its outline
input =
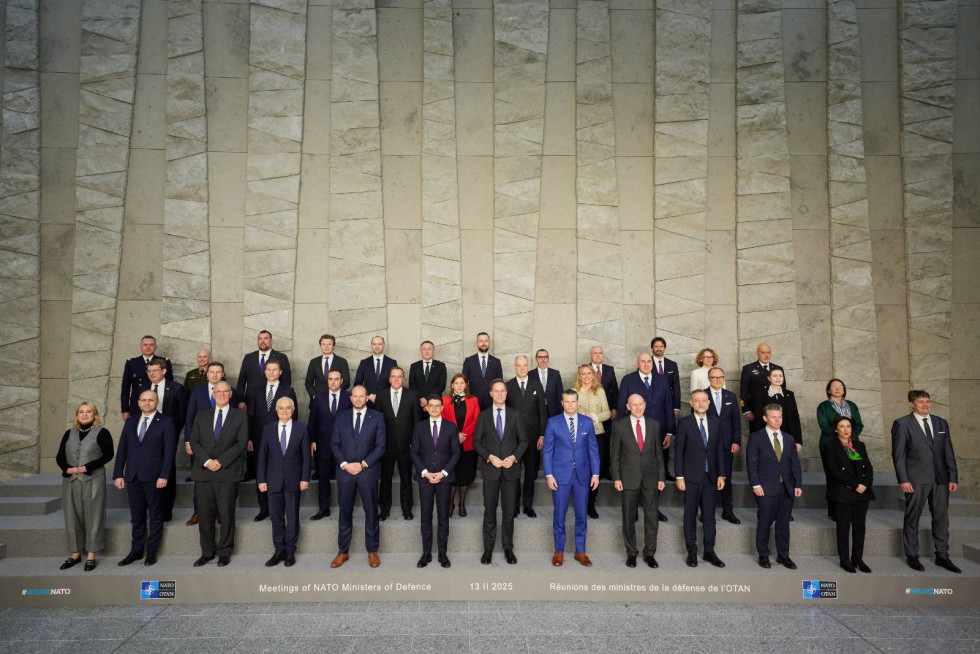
(592, 403)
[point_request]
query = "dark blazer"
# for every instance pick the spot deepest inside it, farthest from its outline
(825, 418)
(552, 393)
(258, 415)
(153, 458)
(399, 427)
(480, 383)
(283, 472)
(791, 414)
(435, 384)
(690, 453)
(174, 401)
(368, 447)
(229, 449)
(199, 400)
(730, 417)
(435, 457)
(530, 406)
(486, 442)
(659, 404)
(134, 374)
(610, 385)
(754, 381)
(316, 382)
(365, 374)
(250, 375)
(626, 463)
(917, 461)
(321, 419)
(845, 475)
(764, 469)
(673, 376)
(558, 454)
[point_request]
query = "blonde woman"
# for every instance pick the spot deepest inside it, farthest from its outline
(592, 402)
(82, 455)
(706, 360)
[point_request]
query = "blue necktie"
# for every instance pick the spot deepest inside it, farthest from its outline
(435, 433)
(333, 404)
(483, 365)
(282, 440)
(500, 425)
(377, 368)
(143, 428)
(326, 366)
(217, 427)
(646, 382)
(704, 438)
(571, 430)
(212, 398)
(262, 363)
(357, 424)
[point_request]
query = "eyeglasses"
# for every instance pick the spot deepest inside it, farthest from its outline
(716, 376)
(836, 388)
(222, 391)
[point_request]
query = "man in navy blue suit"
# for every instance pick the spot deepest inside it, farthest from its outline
(774, 473)
(144, 461)
(373, 371)
(550, 381)
(606, 376)
(252, 371)
(284, 473)
(699, 476)
(481, 369)
(571, 466)
(323, 411)
(261, 410)
(435, 452)
(724, 406)
(172, 403)
(358, 443)
(134, 375)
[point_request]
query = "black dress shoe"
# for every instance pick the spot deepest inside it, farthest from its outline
(631, 560)
(593, 514)
(487, 557)
(944, 562)
(151, 558)
(320, 515)
(410, 516)
(90, 565)
(861, 565)
(290, 559)
(914, 563)
(276, 559)
(223, 561)
(661, 517)
(444, 561)
(786, 562)
(261, 516)
(383, 516)
(730, 517)
(462, 514)
(847, 566)
(424, 560)
(764, 562)
(650, 561)
(131, 557)
(712, 558)
(509, 557)
(529, 512)
(69, 562)
(692, 560)
(205, 559)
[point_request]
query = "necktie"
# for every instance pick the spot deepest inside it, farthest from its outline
(435, 433)
(427, 364)
(500, 426)
(333, 404)
(357, 424)
(211, 394)
(326, 366)
(143, 427)
(155, 389)
(522, 388)
(483, 365)
(718, 403)
(704, 439)
(395, 407)
(571, 431)
(639, 436)
(646, 382)
(925, 425)
(377, 368)
(262, 363)
(598, 374)
(660, 367)
(779, 451)
(268, 398)
(217, 426)
(282, 440)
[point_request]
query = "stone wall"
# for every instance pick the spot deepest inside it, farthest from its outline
(560, 174)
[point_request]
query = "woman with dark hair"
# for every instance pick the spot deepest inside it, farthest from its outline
(850, 476)
(834, 406)
(461, 409)
(777, 393)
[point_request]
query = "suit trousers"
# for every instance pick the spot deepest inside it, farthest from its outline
(403, 461)
(725, 494)
(937, 497)
(651, 519)
(851, 517)
(778, 509)
(324, 465)
(169, 493)
(251, 466)
(145, 498)
(604, 456)
(346, 491)
(284, 513)
(217, 498)
(580, 500)
(699, 495)
(439, 493)
(532, 462)
(507, 492)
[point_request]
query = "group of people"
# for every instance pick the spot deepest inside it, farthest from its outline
(360, 430)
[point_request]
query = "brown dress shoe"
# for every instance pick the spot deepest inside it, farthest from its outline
(373, 559)
(339, 560)
(558, 559)
(192, 521)
(583, 558)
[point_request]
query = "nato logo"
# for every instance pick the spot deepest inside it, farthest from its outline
(150, 590)
(819, 589)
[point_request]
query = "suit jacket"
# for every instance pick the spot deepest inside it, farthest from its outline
(199, 400)
(558, 455)
(153, 458)
(825, 418)
(844, 475)
(730, 417)
(764, 469)
(673, 377)
(174, 401)
(609, 385)
(435, 384)
(690, 453)
(659, 404)
(258, 415)
(365, 374)
(552, 390)
(368, 446)
(917, 461)
(316, 382)
(627, 464)
(469, 422)
(755, 380)
(530, 405)
(321, 418)
(399, 427)
(435, 457)
(791, 414)
(283, 472)
(251, 375)
(229, 449)
(486, 442)
(480, 383)
(134, 374)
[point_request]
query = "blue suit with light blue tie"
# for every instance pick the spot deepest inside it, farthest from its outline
(572, 465)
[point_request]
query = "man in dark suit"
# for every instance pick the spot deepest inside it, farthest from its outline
(922, 450)
(261, 409)
(753, 383)
(316, 372)
(526, 397)
(373, 371)
(667, 368)
(252, 372)
(435, 452)
(655, 392)
(550, 381)
(324, 410)
(500, 441)
(358, 444)
(134, 375)
(776, 479)
(482, 368)
(637, 473)
(606, 376)
(724, 406)
(171, 402)
(400, 408)
(427, 376)
(284, 473)
(697, 462)
(571, 466)
(219, 439)
(144, 461)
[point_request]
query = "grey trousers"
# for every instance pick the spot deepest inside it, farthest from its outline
(83, 502)
(937, 496)
(650, 499)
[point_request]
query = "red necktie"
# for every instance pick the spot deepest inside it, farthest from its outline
(598, 374)
(660, 367)
(639, 436)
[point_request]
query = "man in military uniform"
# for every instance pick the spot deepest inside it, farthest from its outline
(134, 375)
(199, 375)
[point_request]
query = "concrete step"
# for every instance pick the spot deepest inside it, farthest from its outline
(972, 551)
(957, 506)
(3, 551)
(29, 505)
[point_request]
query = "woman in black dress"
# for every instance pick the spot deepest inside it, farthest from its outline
(777, 393)
(850, 476)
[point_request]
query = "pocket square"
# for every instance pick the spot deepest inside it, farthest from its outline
(940, 432)
(728, 403)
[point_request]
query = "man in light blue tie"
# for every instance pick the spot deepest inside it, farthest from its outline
(571, 465)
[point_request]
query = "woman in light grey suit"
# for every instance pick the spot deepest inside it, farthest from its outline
(592, 402)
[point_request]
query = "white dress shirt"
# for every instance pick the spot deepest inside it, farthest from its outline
(438, 422)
